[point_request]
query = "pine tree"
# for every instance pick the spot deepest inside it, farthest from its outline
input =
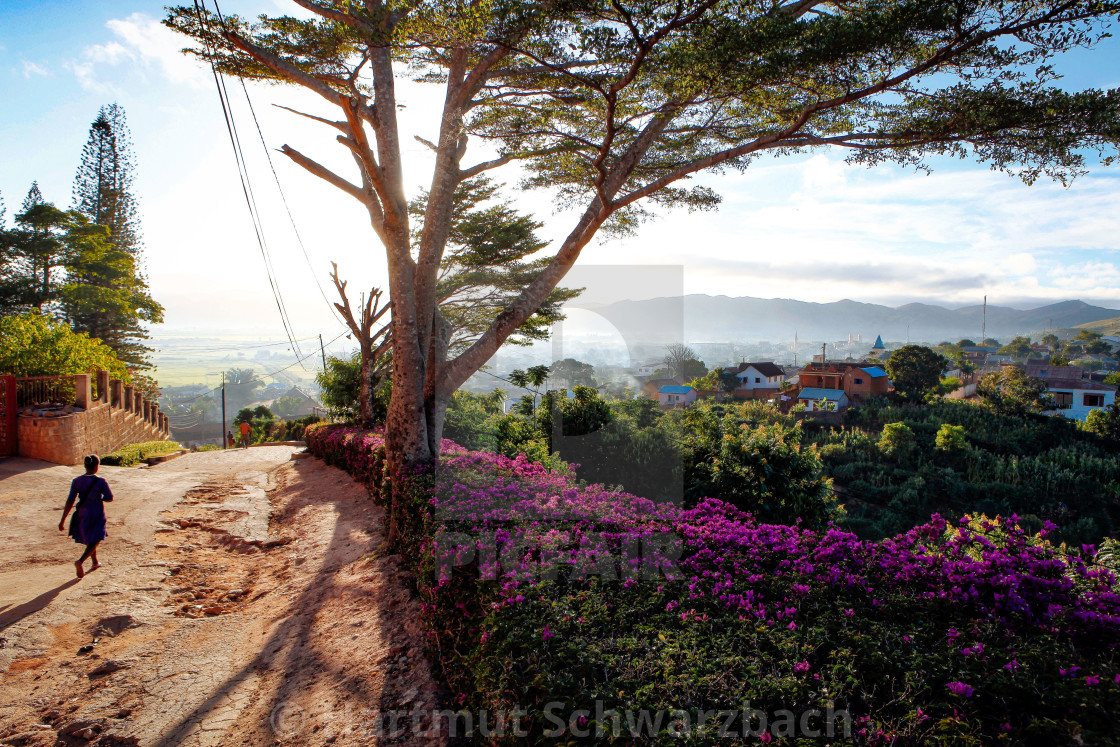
(104, 182)
(103, 196)
(34, 197)
(35, 251)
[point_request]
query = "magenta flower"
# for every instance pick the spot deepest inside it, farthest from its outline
(959, 688)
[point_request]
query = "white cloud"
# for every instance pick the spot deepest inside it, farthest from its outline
(33, 68)
(155, 44)
(142, 44)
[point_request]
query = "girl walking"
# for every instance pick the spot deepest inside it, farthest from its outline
(88, 525)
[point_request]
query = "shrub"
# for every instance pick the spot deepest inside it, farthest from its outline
(133, 453)
(951, 438)
(31, 344)
(897, 439)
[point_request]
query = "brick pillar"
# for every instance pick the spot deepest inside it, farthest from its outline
(146, 410)
(116, 392)
(129, 400)
(164, 423)
(137, 402)
(82, 390)
(103, 386)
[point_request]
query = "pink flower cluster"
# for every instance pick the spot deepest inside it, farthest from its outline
(529, 522)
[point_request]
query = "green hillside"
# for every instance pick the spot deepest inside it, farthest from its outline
(1104, 326)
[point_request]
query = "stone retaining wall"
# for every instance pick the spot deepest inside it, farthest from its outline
(119, 417)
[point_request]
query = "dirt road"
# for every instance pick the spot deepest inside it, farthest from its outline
(238, 603)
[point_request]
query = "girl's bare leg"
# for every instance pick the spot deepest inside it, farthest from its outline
(93, 557)
(91, 551)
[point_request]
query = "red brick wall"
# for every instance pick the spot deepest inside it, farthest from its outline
(98, 430)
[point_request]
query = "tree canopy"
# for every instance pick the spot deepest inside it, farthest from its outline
(31, 344)
(915, 371)
(615, 107)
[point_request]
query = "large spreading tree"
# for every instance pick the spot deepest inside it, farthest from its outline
(613, 105)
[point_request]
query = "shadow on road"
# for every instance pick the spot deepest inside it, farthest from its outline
(12, 615)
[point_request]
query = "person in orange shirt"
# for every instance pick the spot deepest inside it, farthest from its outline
(245, 429)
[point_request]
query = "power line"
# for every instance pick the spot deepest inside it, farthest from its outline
(279, 187)
(243, 173)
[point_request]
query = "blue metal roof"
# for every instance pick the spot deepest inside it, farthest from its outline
(833, 395)
(875, 372)
(672, 389)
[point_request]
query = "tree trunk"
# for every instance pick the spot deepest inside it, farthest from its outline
(365, 401)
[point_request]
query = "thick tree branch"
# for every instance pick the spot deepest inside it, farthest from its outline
(326, 174)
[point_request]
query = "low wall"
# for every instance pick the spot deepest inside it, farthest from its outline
(117, 418)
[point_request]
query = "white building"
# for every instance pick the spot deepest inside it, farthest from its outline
(822, 399)
(676, 395)
(1074, 395)
(762, 375)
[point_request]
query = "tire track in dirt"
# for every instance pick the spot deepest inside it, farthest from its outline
(270, 622)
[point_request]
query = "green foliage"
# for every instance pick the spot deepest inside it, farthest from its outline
(33, 345)
(133, 453)
(340, 386)
(707, 382)
(245, 415)
(915, 371)
(472, 419)
(1011, 392)
(1019, 347)
(750, 455)
(896, 440)
(715, 380)
(614, 442)
(949, 384)
(294, 430)
(1041, 468)
(951, 438)
(1113, 379)
(570, 373)
(486, 265)
(287, 405)
(1105, 422)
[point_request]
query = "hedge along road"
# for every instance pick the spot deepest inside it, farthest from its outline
(237, 603)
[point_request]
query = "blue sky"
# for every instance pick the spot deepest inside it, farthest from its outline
(811, 228)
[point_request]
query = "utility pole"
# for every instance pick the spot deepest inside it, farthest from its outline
(984, 322)
(225, 443)
(324, 352)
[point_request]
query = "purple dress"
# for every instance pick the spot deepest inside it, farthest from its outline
(88, 523)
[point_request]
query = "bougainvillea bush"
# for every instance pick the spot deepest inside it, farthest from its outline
(593, 616)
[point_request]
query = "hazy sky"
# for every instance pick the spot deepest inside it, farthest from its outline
(810, 228)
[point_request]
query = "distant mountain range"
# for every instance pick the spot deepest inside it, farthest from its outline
(722, 318)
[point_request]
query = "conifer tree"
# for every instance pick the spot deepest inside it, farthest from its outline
(34, 197)
(104, 182)
(108, 296)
